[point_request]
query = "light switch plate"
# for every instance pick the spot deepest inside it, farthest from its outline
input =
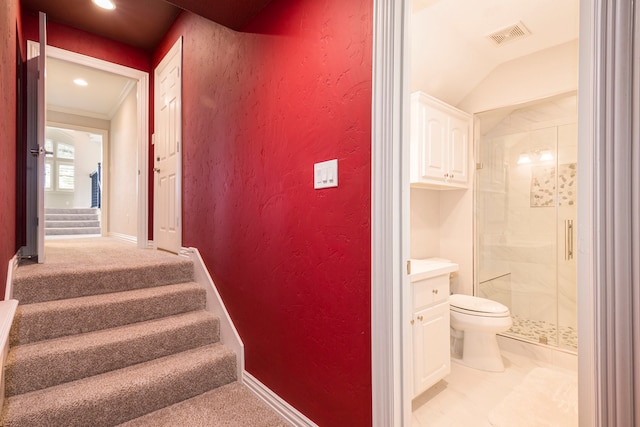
(325, 174)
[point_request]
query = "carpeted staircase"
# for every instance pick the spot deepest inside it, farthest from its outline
(100, 344)
(72, 221)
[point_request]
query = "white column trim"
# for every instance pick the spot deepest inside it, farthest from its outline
(390, 404)
(608, 214)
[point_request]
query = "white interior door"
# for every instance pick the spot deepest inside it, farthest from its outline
(36, 102)
(167, 150)
(42, 120)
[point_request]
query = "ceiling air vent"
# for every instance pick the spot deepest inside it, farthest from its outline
(509, 34)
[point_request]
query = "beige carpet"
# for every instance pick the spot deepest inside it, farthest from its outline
(106, 333)
(545, 398)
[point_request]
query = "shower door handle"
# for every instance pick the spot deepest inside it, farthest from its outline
(568, 237)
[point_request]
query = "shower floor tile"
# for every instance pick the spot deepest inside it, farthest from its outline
(540, 330)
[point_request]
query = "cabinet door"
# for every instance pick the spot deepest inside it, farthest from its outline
(431, 349)
(433, 159)
(458, 150)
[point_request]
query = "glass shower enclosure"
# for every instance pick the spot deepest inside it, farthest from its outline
(525, 217)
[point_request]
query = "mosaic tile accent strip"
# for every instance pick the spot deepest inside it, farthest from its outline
(543, 185)
(567, 185)
(539, 330)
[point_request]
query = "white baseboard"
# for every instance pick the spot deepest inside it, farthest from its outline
(228, 333)
(124, 237)
(11, 270)
(7, 313)
(284, 409)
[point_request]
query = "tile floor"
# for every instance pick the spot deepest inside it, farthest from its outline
(466, 397)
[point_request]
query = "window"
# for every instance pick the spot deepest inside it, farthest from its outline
(59, 170)
(65, 176)
(47, 175)
(64, 151)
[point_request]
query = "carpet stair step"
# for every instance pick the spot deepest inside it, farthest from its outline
(49, 363)
(71, 231)
(72, 224)
(70, 211)
(71, 217)
(53, 319)
(230, 405)
(69, 282)
(118, 396)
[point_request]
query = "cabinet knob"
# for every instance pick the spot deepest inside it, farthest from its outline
(451, 176)
(420, 318)
(412, 321)
(435, 291)
(446, 175)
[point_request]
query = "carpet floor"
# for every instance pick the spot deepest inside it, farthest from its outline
(107, 334)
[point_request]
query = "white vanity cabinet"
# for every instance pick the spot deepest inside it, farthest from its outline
(439, 143)
(429, 281)
(431, 349)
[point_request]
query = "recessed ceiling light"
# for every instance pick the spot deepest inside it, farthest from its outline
(524, 159)
(80, 82)
(105, 4)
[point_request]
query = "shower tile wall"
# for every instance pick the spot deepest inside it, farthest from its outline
(520, 240)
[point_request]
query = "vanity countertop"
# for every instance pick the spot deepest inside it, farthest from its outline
(422, 269)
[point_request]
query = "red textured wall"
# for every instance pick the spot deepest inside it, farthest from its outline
(9, 20)
(292, 263)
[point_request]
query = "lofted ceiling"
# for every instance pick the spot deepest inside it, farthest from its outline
(450, 51)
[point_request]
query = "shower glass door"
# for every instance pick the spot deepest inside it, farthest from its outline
(525, 199)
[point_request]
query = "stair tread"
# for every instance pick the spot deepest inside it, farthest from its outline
(48, 282)
(229, 405)
(46, 363)
(76, 217)
(134, 390)
(72, 231)
(63, 211)
(52, 319)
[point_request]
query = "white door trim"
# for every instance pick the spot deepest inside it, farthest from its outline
(391, 397)
(390, 400)
(589, 404)
(104, 214)
(142, 93)
(607, 256)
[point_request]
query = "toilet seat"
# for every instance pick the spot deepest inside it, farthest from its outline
(476, 306)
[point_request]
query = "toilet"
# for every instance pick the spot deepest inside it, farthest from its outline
(475, 322)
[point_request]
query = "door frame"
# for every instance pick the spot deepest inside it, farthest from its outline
(142, 93)
(390, 375)
(105, 133)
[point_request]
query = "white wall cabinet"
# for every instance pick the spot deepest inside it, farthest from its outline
(439, 144)
(430, 322)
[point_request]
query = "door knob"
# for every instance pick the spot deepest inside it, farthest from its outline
(156, 170)
(37, 151)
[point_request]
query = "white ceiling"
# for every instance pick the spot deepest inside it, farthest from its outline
(524, 118)
(450, 51)
(99, 99)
